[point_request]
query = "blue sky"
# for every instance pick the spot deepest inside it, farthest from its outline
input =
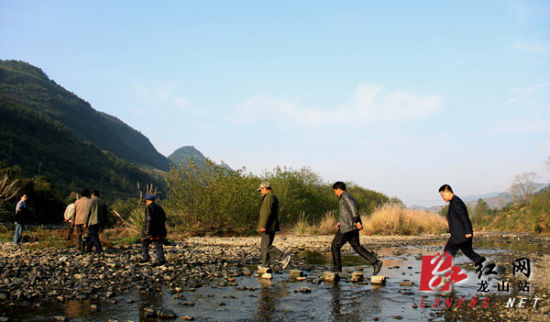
(399, 97)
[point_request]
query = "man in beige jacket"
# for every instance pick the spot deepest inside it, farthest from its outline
(82, 210)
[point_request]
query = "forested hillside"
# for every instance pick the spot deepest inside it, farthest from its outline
(41, 146)
(28, 86)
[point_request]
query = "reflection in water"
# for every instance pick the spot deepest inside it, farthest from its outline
(335, 305)
(75, 309)
(267, 302)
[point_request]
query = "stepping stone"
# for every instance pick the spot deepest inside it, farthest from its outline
(406, 283)
(331, 277)
(357, 276)
(295, 273)
(267, 276)
(378, 280)
(263, 270)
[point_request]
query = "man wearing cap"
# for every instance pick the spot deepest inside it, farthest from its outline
(268, 225)
(154, 231)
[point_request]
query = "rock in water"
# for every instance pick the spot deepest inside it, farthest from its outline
(305, 290)
(406, 283)
(267, 276)
(166, 314)
(295, 273)
(264, 270)
(331, 277)
(358, 276)
(378, 280)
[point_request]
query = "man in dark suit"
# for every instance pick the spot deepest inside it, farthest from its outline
(460, 227)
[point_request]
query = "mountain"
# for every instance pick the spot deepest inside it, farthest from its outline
(496, 200)
(182, 156)
(39, 146)
(186, 153)
(28, 86)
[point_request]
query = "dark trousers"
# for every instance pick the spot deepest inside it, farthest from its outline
(93, 239)
(466, 248)
(81, 237)
(268, 250)
(353, 238)
(159, 249)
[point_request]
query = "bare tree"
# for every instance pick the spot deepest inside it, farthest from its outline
(523, 187)
(8, 189)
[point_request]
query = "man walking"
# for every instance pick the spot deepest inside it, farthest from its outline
(348, 226)
(70, 214)
(21, 216)
(82, 212)
(95, 222)
(154, 231)
(459, 226)
(268, 226)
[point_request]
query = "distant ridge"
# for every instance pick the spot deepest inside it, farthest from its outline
(182, 156)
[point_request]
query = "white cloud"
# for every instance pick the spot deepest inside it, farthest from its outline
(522, 93)
(538, 48)
(369, 103)
(160, 98)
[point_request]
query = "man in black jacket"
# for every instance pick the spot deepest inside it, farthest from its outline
(460, 227)
(348, 228)
(154, 231)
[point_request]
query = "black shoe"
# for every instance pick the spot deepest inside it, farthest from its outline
(377, 267)
(155, 264)
(480, 263)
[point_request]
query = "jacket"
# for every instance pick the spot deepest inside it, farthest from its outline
(21, 212)
(82, 210)
(349, 215)
(154, 224)
(97, 214)
(459, 222)
(69, 213)
(269, 213)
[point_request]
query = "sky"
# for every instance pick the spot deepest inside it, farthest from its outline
(399, 97)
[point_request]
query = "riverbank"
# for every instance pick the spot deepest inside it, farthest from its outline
(42, 279)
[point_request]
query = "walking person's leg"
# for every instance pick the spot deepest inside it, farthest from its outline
(264, 246)
(466, 248)
(273, 251)
(366, 254)
(356, 245)
(17, 233)
(159, 253)
(451, 248)
(93, 239)
(145, 250)
(335, 247)
(79, 241)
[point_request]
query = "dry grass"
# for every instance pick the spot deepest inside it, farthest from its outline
(325, 227)
(390, 219)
